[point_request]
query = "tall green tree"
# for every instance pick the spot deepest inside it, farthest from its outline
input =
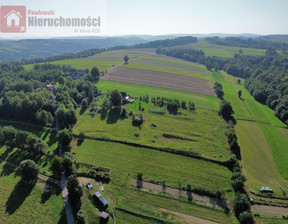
(115, 98)
(28, 170)
(126, 59)
(95, 73)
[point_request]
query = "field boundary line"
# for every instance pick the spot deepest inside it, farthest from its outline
(140, 215)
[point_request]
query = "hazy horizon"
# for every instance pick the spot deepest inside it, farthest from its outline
(166, 17)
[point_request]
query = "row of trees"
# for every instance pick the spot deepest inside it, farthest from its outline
(24, 140)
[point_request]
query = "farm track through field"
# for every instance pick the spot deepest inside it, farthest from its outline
(198, 198)
(268, 209)
(160, 79)
(187, 218)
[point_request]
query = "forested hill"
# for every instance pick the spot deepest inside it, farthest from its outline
(258, 43)
(168, 42)
(42, 48)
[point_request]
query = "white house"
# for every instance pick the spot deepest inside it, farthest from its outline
(13, 18)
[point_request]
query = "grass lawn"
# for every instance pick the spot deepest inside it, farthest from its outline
(260, 167)
(221, 51)
(263, 147)
(202, 131)
(248, 108)
(156, 166)
(201, 101)
(22, 204)
(124, 218)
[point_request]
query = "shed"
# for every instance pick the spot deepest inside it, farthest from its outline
(103, 201)
(104, 215)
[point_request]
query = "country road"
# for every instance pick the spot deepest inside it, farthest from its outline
(67, 203)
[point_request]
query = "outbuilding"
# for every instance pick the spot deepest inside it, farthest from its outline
(102, 200)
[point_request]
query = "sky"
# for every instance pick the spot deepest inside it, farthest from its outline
(160, 17)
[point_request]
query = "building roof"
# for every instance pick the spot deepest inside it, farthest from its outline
(104, 215)
(49, 86)
(101, 199)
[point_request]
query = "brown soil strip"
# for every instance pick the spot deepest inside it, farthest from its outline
(267, 209)
(184, 218)
(201, 199)
(160, 79)
(163, 64)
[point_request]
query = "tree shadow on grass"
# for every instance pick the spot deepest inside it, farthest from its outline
(20, 192)
(103, 115)
(63, 219)
(52, 138)
(49, 189)
(7, 170)
(113, 116)
(82, 111)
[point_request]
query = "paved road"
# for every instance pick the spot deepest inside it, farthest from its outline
(67, 203)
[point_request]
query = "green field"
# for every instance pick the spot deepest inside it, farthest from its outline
(149, 204)
(102, 65)
(259, 165)
(119, 54)
(220, 50)
(261, 137)
(169, 61)
(202, 131)
(22, 204)
(248, 108)
(124, 160)
(201, 101)
(180, 72)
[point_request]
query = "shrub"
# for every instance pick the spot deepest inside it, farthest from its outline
(241, 204)
(226, 110)
(172, 107)
(123, 113)
(139, 176)
(137, 119)
(246, 218)
(81, 217)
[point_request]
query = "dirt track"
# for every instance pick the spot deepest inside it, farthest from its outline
(201, 199)
(270, 209)
(187, 218)
(160, 79)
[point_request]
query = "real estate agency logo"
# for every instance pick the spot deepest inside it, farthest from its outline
(13, 19)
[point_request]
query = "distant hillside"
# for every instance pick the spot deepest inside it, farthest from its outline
(41, 48)
(276, 38)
